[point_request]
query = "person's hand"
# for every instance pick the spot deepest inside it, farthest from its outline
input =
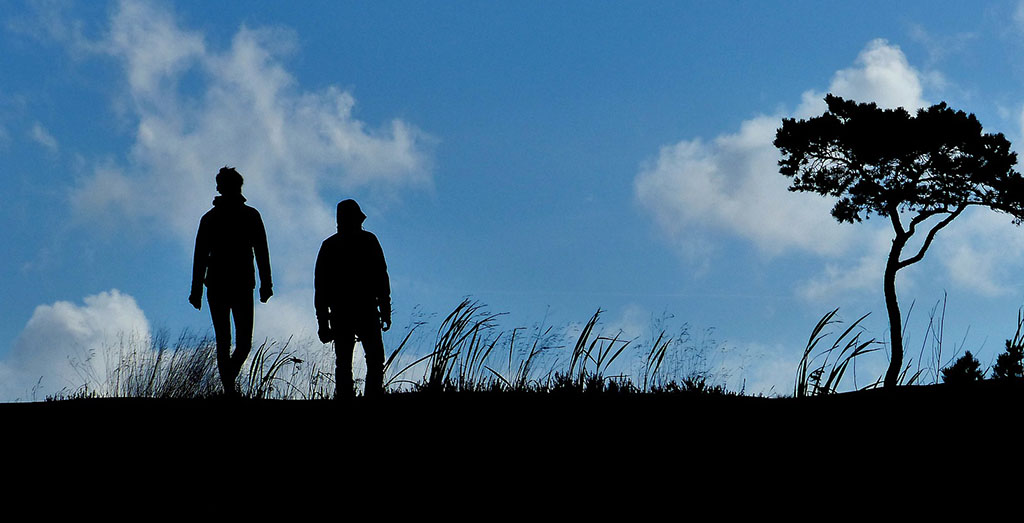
(325, 334)
(265, 294)
(324, 328)
(196, 301)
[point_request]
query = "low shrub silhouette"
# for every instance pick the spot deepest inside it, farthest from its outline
(966, 369)
(1009, 364)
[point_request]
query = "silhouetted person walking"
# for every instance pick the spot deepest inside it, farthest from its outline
(230, 236)
(352, 297)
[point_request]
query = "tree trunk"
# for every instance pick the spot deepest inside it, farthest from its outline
(892, 306)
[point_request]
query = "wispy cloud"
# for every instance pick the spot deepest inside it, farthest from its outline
(1018, 15)
(40, 135)
(941, 46)
(291, 145)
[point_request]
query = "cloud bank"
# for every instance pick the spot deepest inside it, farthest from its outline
(64, 344)
(40, 135)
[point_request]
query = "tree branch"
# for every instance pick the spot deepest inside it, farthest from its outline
(922, 216)
(894, 216)
(928, 239)
(835, 158)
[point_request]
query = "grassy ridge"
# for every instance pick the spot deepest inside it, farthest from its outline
(484, 414)
(474, 371)
(469, 353)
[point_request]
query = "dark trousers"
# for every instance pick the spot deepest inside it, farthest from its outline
(226, 304)
(345, 335)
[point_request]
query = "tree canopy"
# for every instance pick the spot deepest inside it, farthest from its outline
(877, 161)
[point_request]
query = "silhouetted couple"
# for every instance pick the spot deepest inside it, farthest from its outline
(352, 291)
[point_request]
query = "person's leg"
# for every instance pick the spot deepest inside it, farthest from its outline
(344, 342)
(242, 311)
(373, 348)
(220, 313)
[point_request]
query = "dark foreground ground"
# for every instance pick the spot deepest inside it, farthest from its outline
(473, 420)
(510, 457)
(577, 443)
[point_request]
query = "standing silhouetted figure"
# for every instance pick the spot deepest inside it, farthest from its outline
(352, 296)
(229, 236)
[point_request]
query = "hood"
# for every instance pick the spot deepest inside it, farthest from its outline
(349, 215)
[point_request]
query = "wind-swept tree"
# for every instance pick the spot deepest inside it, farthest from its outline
(918, 171)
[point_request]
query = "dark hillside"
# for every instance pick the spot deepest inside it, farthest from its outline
(478, 420)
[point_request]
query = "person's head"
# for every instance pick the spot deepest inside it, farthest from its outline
(349, 215)
(229, 181)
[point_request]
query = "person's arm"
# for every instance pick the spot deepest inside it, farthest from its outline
(321, 288)
(262, 253)
(383, 290)
(200, 262)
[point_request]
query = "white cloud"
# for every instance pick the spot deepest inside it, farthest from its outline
(154, 50)
(732, 183)
(285, 315)
(40, 135)
(64, 345)
(765, 370)
(882, 75)
(632, 322)
(290, 144)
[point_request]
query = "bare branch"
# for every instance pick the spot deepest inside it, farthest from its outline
(921, 216)
(931, 236)
(894, 216)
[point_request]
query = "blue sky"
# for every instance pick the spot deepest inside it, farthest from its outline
(545, 158)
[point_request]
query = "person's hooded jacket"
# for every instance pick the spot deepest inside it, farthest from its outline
(230, 235)
(350, 281)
